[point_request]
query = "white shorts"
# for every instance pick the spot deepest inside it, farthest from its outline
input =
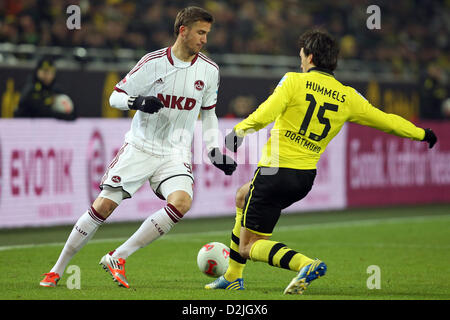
(131, 168)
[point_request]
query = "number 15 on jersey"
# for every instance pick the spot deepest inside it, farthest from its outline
(309, 121)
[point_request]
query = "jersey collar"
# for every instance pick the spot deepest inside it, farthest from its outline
(322, 70)
(169, 56)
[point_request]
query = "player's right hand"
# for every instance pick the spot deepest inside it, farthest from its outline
(233, 141)
(430, 137)
(147, 104)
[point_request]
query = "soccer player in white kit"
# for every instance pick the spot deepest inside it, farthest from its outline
(169, 88)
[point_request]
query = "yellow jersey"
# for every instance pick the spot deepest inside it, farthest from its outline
(309, 109)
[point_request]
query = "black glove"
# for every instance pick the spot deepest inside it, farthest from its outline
(430, 137)
(232, 141)
(147, 104)
(221, 161)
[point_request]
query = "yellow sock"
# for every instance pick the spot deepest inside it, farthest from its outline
(237, 263)
(278, 255)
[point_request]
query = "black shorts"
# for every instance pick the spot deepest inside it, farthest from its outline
(272, 192)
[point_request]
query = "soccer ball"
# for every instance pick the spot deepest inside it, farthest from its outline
(212, 259)
(62, 104)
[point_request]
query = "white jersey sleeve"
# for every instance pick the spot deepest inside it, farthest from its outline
(210, 128)
(119, 100)
(210, 123)
(212, 90)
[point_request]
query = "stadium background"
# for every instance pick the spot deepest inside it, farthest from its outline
(378, 200)
(403, 68)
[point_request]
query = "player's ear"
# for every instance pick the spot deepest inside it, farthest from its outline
(183, 30)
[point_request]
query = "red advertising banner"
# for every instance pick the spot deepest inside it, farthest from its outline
(50, 171)
(383, 169)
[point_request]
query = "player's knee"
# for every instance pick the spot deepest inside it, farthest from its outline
(181, 202)
(104, 206)
(241, 194)
(182, 206)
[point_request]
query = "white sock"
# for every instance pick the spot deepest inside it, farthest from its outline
(151, 229)
(84, 229)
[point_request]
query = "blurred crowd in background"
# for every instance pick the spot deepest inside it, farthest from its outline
(412, 32)
(413, 38)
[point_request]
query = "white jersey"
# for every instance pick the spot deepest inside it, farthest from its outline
(183, 87)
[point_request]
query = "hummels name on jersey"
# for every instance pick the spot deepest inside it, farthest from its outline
(336, 95)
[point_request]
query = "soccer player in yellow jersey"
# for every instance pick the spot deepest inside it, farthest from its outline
(309, 109)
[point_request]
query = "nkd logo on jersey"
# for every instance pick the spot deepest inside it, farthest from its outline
(174, 102)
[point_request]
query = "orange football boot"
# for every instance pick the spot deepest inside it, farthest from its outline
(51, 279)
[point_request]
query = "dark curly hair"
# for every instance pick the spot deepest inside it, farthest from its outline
(322, 46)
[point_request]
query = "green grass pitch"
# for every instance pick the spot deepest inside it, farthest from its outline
(410, 245)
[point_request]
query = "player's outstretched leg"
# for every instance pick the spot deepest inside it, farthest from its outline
(279, 255)
(116, 268)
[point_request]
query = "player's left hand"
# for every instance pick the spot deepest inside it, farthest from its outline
(222, 162)
(430, 137)
(233, 141)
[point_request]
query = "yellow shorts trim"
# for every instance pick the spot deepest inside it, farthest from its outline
(244, 217)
